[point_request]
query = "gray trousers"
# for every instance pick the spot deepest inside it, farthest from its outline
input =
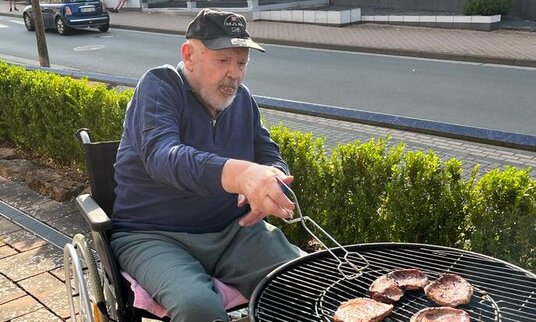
(177, 268)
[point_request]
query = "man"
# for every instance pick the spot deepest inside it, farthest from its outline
(196, 173)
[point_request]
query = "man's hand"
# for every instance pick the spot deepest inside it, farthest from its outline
(260, 187)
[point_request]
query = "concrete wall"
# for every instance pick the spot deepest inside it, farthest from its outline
(520, 8)
(528, 10)
(436, 5)
(525, 9)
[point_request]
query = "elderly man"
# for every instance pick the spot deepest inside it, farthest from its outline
(196, 174)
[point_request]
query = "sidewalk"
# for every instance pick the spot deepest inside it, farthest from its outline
(31, 272)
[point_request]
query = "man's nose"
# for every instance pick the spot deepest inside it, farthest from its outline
(235, 71)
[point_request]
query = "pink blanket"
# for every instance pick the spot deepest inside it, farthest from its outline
(231, 297)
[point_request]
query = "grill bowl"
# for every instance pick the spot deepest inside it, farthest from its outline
(311, 288)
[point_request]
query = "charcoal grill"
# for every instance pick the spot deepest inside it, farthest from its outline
(312, 287)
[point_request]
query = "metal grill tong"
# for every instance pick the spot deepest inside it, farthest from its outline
(358, 270)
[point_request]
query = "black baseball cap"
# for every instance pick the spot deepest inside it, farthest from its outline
(221, 29)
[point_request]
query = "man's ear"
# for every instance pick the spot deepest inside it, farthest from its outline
(187, 52)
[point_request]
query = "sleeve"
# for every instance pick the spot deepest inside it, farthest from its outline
(153, 122)
(266, 150)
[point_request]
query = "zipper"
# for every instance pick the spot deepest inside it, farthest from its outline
(213, 123)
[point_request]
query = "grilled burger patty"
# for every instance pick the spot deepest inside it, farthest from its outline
(440, 314)
(385, 289)
(410, 278)
(362, 309)
(390, 288)
(449, 290)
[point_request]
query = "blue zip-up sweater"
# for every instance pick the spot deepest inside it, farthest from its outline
(172, 153)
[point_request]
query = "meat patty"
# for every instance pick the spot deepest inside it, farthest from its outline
(385, 289)
(440, 314)
(410, 278)
(362, 309)
(449, 290)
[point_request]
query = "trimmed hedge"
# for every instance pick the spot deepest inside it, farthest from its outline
(501, 216)
(486, 7)
(40, 112)
(361, 192)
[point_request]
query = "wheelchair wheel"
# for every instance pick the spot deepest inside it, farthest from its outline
(83, 283)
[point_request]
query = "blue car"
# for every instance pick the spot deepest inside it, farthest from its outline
(65, 15)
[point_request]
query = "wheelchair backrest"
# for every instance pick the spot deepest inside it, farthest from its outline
(100, 159)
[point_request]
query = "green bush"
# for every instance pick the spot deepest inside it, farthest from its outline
(307, 161)
(363, 192)
(357, 179)
(41, 111)
(502, 216)
(487, 7)
(425, 201)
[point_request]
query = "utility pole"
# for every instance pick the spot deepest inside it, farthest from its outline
(40, 34)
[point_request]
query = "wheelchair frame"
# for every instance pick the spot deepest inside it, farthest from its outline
(99, 292)
(96, 288)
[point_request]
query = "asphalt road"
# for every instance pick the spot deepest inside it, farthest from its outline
(486, 96)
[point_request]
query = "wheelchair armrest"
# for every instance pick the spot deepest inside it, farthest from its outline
(93, 213)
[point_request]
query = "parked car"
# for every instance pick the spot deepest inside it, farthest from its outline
(64, 15)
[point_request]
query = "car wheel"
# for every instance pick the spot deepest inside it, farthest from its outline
(61, 27)
(28, 22)
(104, 28)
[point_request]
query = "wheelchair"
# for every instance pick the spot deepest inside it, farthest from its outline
(96, 289)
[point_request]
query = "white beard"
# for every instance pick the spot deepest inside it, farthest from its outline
(213, 102)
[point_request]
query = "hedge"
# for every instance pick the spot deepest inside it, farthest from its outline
(486, 7)
(41, 110)
(361, 192)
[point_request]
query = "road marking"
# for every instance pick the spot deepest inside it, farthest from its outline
(89, 48)
(3, 26)
(17, 22)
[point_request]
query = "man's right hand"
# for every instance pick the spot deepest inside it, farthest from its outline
(260, 186)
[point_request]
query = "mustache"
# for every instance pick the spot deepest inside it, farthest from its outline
(230, 83)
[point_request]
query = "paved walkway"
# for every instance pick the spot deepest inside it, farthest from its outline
(31, 274)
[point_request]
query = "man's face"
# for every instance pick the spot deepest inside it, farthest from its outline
(216, 74)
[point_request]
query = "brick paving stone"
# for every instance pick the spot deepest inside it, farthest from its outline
(48, 290)
(6, 251)
(9, 291)
(41, 315)
(23, 198)
(7, 226)
(23, 240)
(509, 158)
(48, 209)
(70, 224)
(18, 308)
(31, 263)
(58, 273)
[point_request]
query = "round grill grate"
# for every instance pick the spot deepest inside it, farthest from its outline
(311, 288)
